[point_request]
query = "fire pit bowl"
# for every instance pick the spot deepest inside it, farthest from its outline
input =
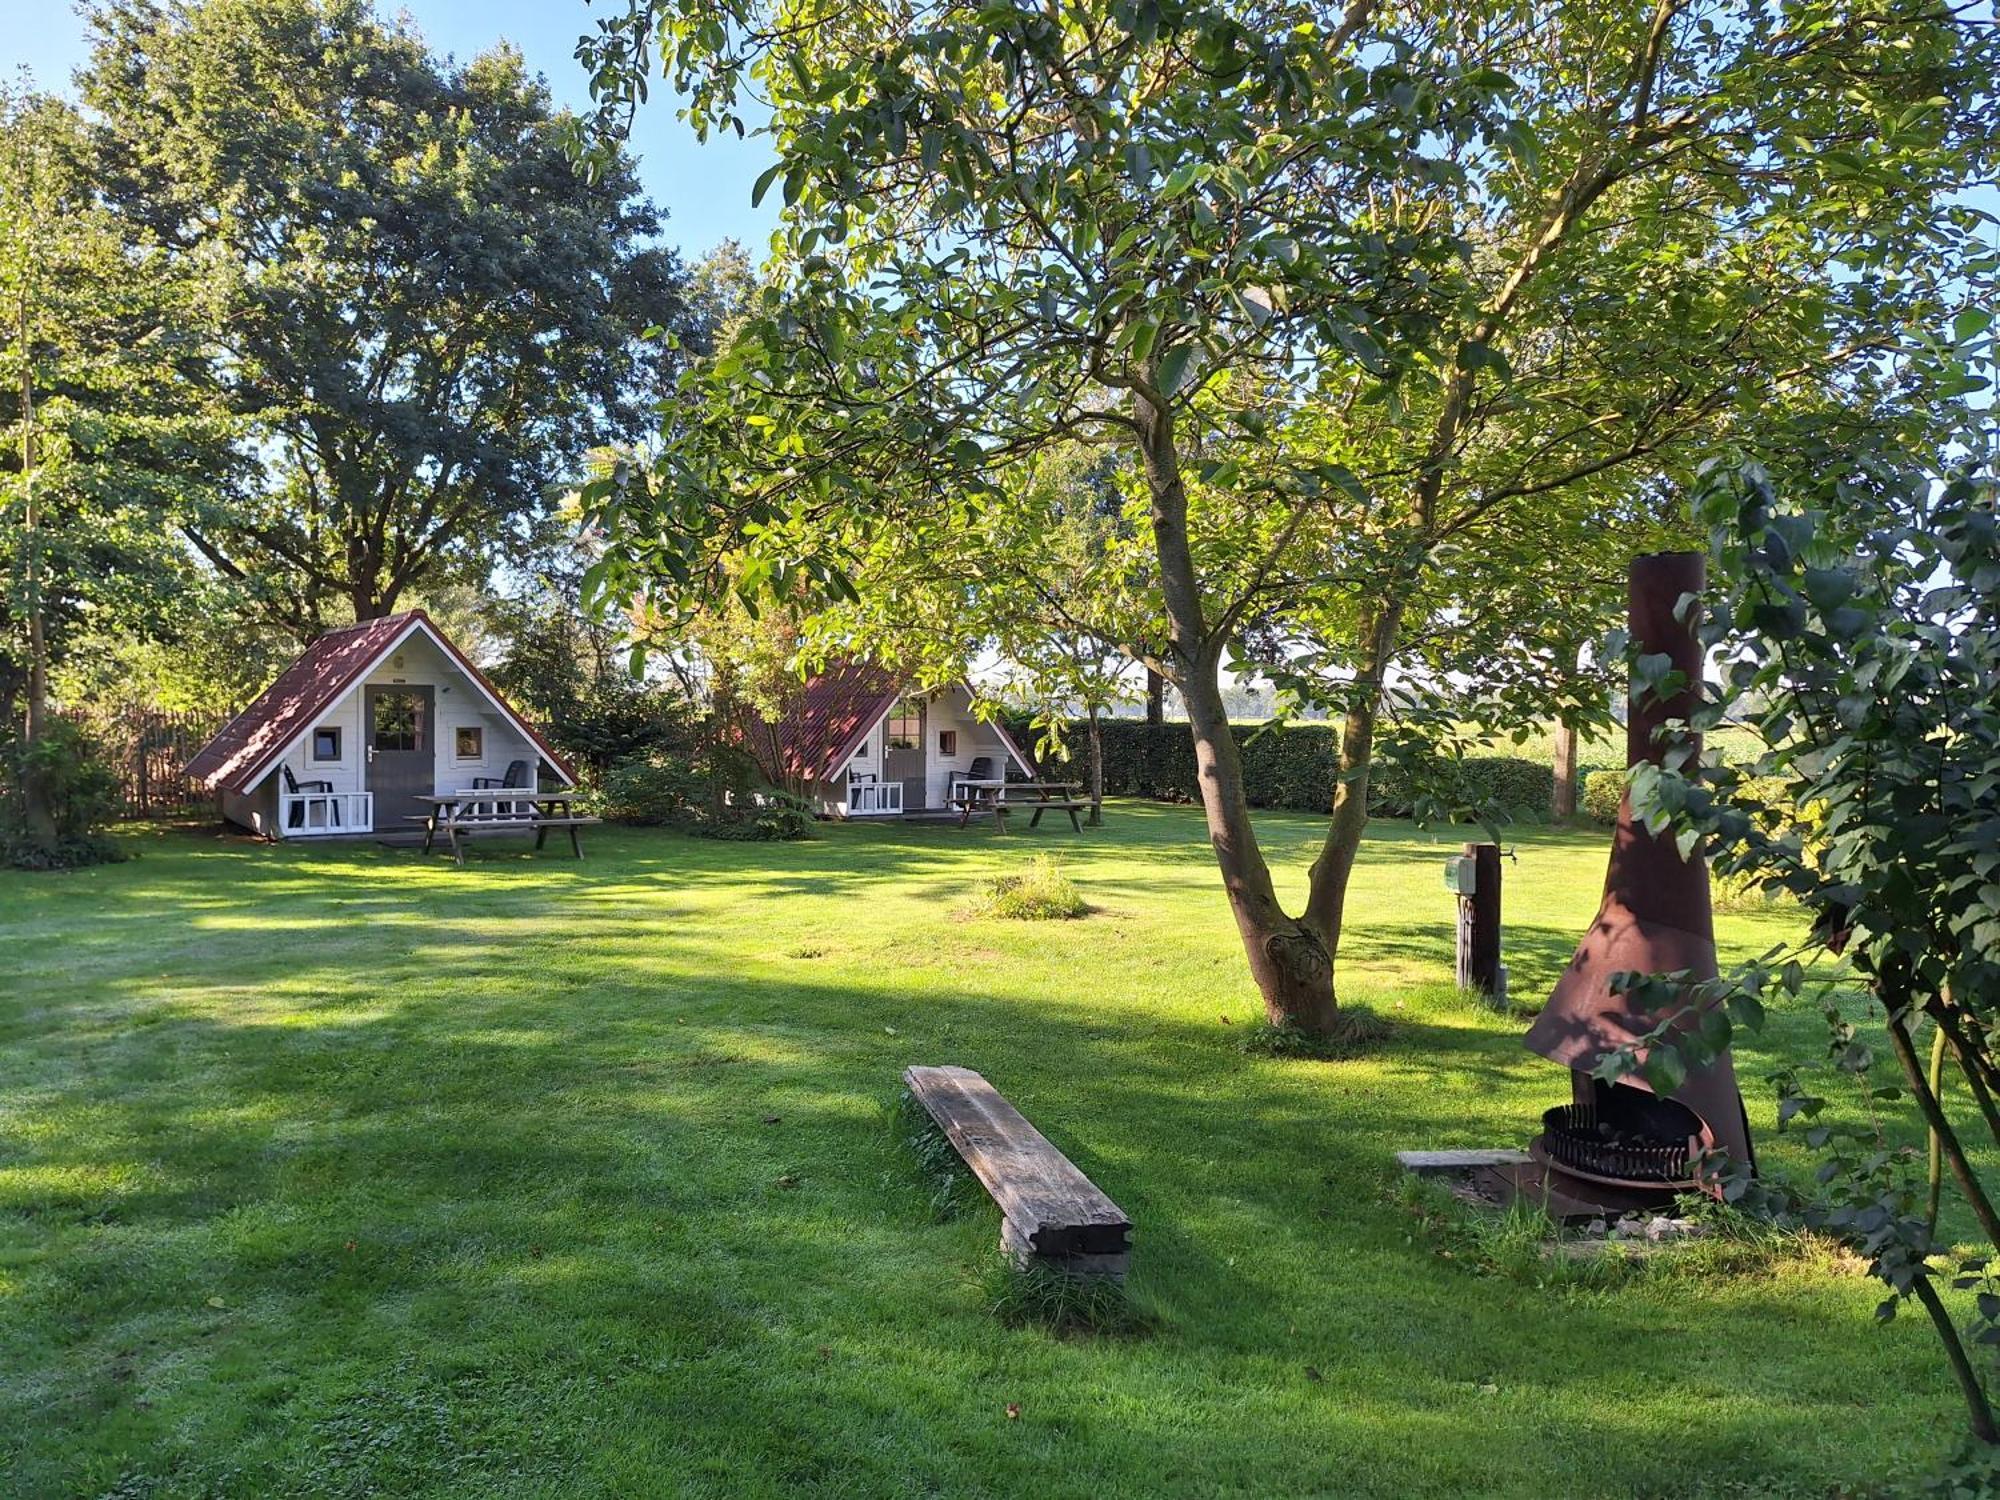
(1624, 1137)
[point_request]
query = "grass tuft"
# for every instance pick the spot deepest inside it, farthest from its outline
(1044, 893)
(1524, 1243)
(950, 1188)
(1356, 1029)
(1037, 1296)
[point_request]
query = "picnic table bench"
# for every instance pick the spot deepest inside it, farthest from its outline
(462, 815)
(1050, 1212)
(970, 795)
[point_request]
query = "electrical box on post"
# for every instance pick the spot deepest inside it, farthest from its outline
(1461, 875)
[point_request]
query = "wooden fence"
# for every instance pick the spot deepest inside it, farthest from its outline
(149, 750)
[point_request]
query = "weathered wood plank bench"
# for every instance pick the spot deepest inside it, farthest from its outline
(1051, 1213)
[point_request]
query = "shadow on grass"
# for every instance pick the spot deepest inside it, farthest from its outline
(550, 1177)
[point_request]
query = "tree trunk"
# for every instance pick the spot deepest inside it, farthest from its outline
(722, 715)
(1291, 966)
(1562, 805)
(1326, 900)
(1978, 1410)
(1156, 697)
(1096, 767)
(36, 810)
(1934, 1117)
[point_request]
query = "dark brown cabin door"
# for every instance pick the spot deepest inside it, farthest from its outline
(399, 730)
(906, 765)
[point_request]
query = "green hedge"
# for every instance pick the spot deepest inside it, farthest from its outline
(1292, 767)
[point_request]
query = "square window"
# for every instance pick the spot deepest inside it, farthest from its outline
(326, 744)
(947, 742)
(470, 742)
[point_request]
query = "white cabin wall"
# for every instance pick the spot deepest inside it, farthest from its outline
(257, 809)
(345, 772)
(457, 702)
(867, 759)
(952, 710)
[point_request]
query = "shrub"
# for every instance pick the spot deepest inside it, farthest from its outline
(1043, 893)
(1602, 792)
(769, 814)
(653, 789)
(81, 792)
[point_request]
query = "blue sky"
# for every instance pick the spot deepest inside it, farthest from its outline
(704, 188)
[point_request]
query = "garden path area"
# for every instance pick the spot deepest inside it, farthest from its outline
(332, 1170)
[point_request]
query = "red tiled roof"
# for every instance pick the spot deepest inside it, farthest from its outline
(836, 709)
(303, 691)
(240, 756)
(834, 714)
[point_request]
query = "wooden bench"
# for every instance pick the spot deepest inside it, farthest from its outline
(1051, 1214)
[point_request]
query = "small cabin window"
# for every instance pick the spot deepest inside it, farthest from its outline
(326, 744)
(399, 721)
(470, 742)
(947, 742)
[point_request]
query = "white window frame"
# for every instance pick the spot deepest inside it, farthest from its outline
(458, 756)
(339, 756)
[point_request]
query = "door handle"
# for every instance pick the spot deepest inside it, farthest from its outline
(371, 755)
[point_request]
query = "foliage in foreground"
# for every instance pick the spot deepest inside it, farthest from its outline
(1038, 1296)
(1043, 892)
(80, 800)
(1859, 621)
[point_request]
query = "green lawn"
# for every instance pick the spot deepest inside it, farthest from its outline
(334, 1170)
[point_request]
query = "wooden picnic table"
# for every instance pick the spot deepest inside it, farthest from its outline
(458, 815)
(985, 794)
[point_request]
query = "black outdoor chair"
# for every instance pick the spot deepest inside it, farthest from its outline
(517, 776)
(296, 786)
(981, 768)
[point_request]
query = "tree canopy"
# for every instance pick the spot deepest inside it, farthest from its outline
(426, 317)
(1409, 319)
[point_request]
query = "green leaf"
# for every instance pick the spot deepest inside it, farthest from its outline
(1173, 368)
(764, 180)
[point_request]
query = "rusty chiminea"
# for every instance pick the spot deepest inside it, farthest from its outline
(1654, 919)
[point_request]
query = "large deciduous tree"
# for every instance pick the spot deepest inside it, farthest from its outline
(109, 434)
(430, 316)
(1406, 315)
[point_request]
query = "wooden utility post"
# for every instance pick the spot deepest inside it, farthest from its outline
(1475, 876)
